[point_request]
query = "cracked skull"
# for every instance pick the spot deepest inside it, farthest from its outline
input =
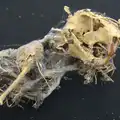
(94, 37)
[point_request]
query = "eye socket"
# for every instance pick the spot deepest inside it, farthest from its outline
(99, 49)
(115, 39)
(97, 24)
(65, 46)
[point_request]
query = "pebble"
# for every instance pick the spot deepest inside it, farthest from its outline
(6, 8)
(33, 13)
(19, 17)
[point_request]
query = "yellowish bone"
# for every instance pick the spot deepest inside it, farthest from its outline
(14, 84)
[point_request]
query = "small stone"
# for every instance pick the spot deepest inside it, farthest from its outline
(6, 8)
(112, 113)
(74, 117)
(41, 15)
(58, 87)
(98, 118)
(31, 118)
(19, 16)
(106, 113)
(33, 13)
(83, 98)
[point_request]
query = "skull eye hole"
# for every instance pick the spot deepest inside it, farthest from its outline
(115, 39)
(99, 49)
(97, 24)
(65, 46)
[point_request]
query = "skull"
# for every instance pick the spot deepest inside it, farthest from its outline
(93, 35)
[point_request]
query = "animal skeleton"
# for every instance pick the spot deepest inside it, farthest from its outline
(86, 44)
